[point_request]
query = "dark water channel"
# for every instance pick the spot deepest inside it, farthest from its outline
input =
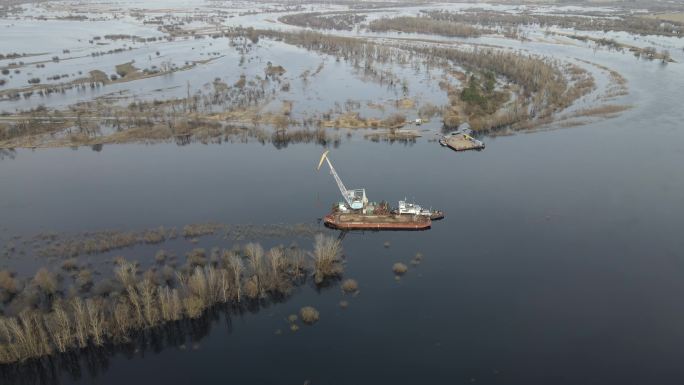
(560, 260)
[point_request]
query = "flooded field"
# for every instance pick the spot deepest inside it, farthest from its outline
(161, 212)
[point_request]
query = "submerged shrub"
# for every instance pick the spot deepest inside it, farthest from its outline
(193, 306)
(84, 279)
(155, 236)
(59, 326)
(197, 257)
(255, 256)
(327, 258)
(8, 282)
(45, 281)
(9, 286)
(309, 315)
(168, 274)
(160, 256)
(251, 288)
(70, 264)
(417, 259)
(126, 272)
(350, 286)
(399, 268)
(104, 287)
(25, 337)
(277, 278)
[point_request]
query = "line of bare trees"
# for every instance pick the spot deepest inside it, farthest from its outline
(337, 21)
(236, 277)
(425, 25)
(632, 24)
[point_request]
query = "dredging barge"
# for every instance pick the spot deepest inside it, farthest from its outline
(357, 213)
(351, 221)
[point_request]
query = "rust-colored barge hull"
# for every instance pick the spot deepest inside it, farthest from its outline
(343, 221)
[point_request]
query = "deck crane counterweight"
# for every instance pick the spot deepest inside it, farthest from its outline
(354, 199)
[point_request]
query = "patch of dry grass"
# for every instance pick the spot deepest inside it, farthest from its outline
(606, 111)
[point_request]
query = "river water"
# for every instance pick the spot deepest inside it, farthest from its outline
(559, 261)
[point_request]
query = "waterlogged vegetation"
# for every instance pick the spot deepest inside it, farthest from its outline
(648, 53)
(50, 319)
(270, 106)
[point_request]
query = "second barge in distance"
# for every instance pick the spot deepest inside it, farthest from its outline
(461, 140)
(357, 213)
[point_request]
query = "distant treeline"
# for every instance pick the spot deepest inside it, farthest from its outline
(337, 21)
(425, 25)
(632, 24)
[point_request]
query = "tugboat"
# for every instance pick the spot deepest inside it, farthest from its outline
(406, 208)
(357, 213)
